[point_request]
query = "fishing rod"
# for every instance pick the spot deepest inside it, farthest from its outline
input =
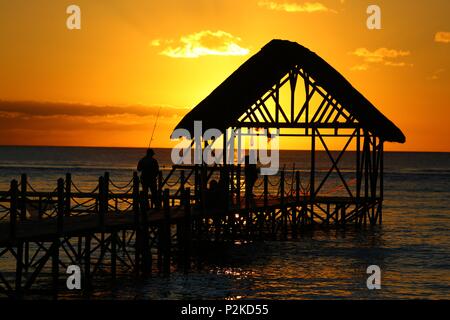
(154, 127)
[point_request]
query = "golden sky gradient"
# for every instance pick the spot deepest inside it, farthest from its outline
(104, 84)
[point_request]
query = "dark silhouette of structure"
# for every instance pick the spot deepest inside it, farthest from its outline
(111, 227)
(287, 87)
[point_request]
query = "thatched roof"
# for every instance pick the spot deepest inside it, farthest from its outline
(260, 73)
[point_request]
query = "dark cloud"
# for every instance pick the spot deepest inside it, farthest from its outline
(47, 109)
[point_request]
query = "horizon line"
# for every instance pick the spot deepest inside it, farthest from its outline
(123, 147)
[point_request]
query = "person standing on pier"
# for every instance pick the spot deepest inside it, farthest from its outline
(149, 168)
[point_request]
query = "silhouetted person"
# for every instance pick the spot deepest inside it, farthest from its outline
(149, 168)
(251, 175)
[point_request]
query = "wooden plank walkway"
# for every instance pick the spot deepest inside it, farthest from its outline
(81, 224)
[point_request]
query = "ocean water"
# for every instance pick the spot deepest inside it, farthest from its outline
(412, 247)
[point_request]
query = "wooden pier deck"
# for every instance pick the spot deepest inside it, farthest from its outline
(121, 229)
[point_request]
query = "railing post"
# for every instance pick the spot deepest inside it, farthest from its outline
(106, 191)
(182, 181)
(187, 227)
(136, 198)
(232, 187)
(266, 191)
(166, 232)
(23, 197)
(60, 212)
(226, 175)
(144, 239)
(13, 209)
(297, 201)
(238, 186)
(101, 201)
(157, 201)
(68, 194)
(282, 201)
(196, 185)
(312, 188)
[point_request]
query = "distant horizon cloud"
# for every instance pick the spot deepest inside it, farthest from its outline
(203, 43)
(292, 7)
(60, 123)
(51, 109)
(385, 56)
(442, 37)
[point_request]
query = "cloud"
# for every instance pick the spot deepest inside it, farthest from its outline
(204, 43)
(387, 57)
(436, 74)
(51, 109)
(49, 123)
(442, 36)
(307, 7)
(360, 67)
(380, 54)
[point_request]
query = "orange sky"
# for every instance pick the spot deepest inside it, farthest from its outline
(103, 85)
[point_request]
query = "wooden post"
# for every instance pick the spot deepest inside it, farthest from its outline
(381, 181)
(166, 232)
(23, 197)
(68, 194)
(187, 228)
(13, 209)
(366, 174)
(226, 175)
(19, 268)
(232, 186)
(106, 192)
(113, 254)
(55, 264)
(136, 213)
(26, 258)
(182, 181)
(282, 204)
(196, 185)
(136, 198)
(144, 238)
(297, 201)
(87, 263)
(60, 209)
(101, 202)
(238, 186)
(312, 189)
(266, 191)
(358, 176)
(157, 201)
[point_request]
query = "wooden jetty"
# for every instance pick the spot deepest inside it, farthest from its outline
(114, 228)
(106, 229)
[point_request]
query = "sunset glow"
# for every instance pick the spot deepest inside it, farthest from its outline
(104, 84)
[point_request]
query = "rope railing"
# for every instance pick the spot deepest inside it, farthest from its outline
(123, 196)
(171, 185)
(128, 185)
(79, 190)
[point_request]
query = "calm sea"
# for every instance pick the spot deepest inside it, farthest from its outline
(412, 247)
